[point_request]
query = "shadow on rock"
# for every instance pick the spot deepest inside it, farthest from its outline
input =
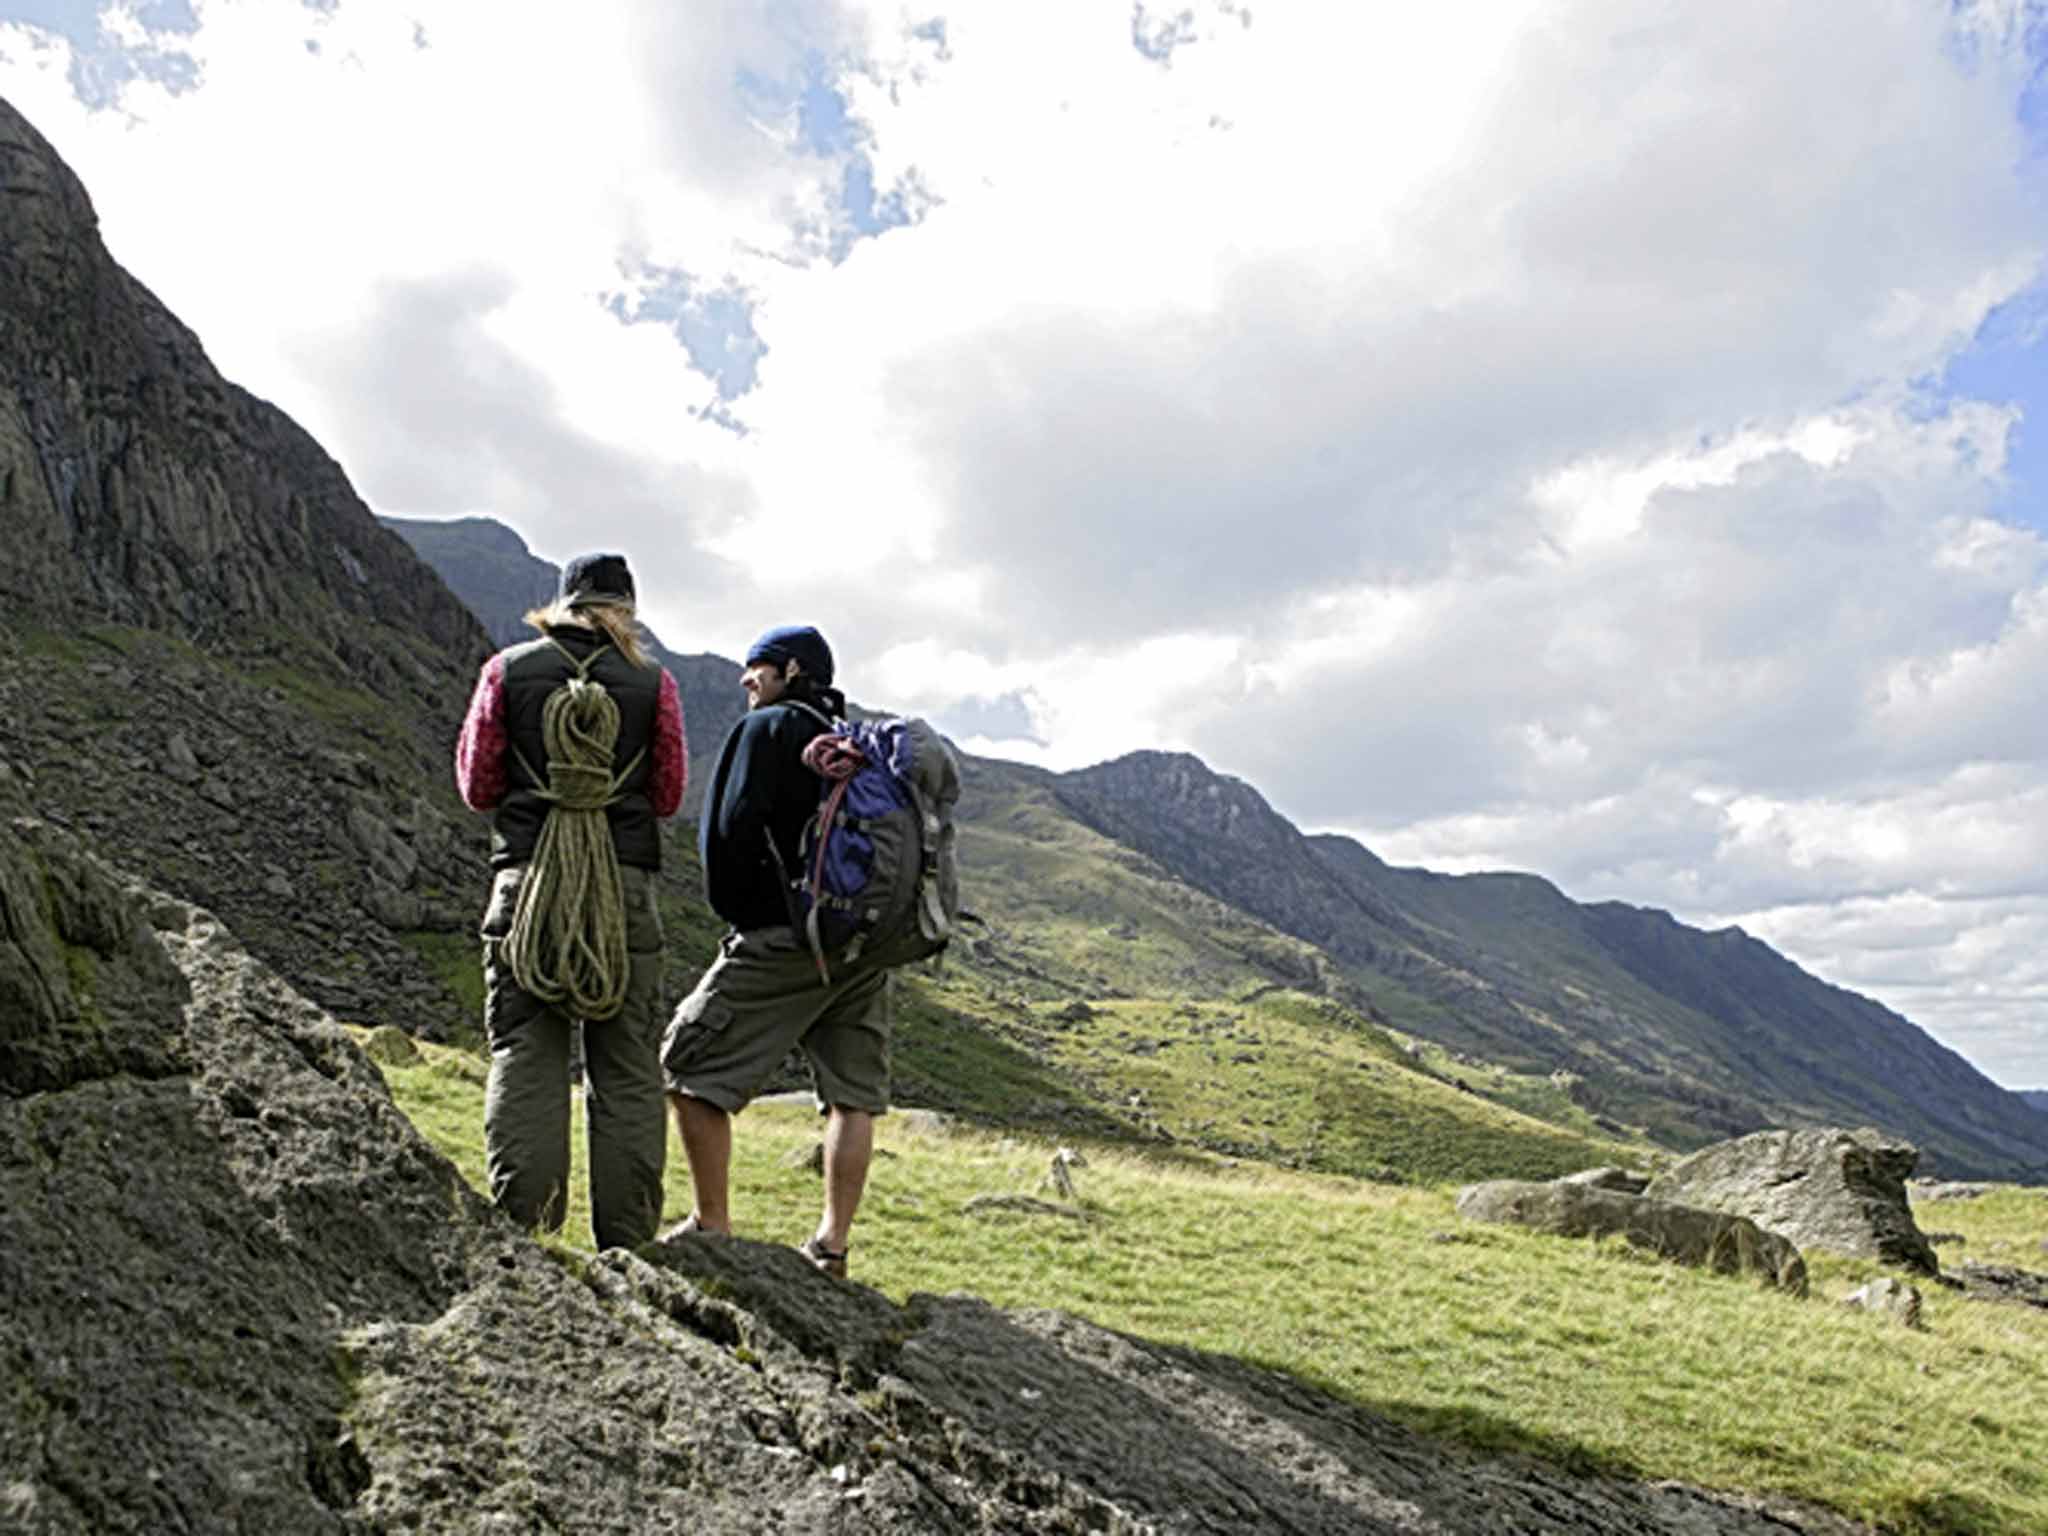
(1069, 1426)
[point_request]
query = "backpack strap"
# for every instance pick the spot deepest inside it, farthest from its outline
(582, 668)
(836, 759)
(812, 710)
(931, 909)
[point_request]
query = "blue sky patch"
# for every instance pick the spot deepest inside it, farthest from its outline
(2007, 364)
(102, 66)
(826, 129)
(1157, 36)
(714, 324)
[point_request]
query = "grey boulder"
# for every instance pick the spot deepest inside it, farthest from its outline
(1840, 1190)
(1609, 1178)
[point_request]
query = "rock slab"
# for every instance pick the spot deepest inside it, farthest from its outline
(239, 1293)
(1729, 1245)
(2000, 1282)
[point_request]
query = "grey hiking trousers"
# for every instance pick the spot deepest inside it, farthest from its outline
(526, 1103)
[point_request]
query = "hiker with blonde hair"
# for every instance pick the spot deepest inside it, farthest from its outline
(574, 743)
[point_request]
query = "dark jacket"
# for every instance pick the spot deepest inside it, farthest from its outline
(505, 720)
(760, 789)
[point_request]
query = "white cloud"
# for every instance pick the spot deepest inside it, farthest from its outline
(1492, 430)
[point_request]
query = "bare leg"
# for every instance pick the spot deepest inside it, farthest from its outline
(706, 1132)
(849, 1145)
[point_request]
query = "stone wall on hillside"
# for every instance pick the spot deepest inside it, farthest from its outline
(239, 1293)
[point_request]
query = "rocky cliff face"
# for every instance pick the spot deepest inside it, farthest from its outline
(142, 488)
(238, 1293)
(1695, 1036)
(216, 661)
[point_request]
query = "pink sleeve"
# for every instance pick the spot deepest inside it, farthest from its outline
(480, 751)
(670, 770)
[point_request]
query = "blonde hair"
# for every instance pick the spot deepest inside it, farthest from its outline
(615, 620)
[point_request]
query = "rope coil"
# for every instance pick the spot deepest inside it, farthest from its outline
(567, 942)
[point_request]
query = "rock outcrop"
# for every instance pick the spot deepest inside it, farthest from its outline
(213, 660)
(239, 1293)
(300, 818)
(1714, 1240)
(1620, 1179)
(1842, 1190)
(140, 487)
(203, 1187)
(1999, 1282)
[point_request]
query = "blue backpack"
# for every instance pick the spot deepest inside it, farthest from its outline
(879, 882)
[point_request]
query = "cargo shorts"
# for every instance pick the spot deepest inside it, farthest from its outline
(760, 998)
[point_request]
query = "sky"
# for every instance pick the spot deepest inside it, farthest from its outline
(1605, 438)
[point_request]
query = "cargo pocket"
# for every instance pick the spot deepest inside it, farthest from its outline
(506, 1005)
(643, 915)
(694, 1028)
(504, 898)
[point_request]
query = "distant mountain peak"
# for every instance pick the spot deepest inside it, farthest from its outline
(1178, 779)
(483, 533)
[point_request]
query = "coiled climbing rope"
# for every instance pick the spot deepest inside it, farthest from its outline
(567, 942)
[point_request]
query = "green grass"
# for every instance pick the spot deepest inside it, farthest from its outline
(1306, 1083)
(1074, 913)
(2007, 1226)
(1585, 1354)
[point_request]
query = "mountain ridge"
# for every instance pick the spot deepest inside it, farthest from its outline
(1629, 1003)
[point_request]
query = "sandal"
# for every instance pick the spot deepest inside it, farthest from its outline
(823, 1258)
(689, 1226)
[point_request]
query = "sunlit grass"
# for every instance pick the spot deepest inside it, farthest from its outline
(1583, 1353)
(1292, 1080)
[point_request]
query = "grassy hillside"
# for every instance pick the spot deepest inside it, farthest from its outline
(1716, 1010)
(1685, 1036)
(1582, 1354)
(1102, 994)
